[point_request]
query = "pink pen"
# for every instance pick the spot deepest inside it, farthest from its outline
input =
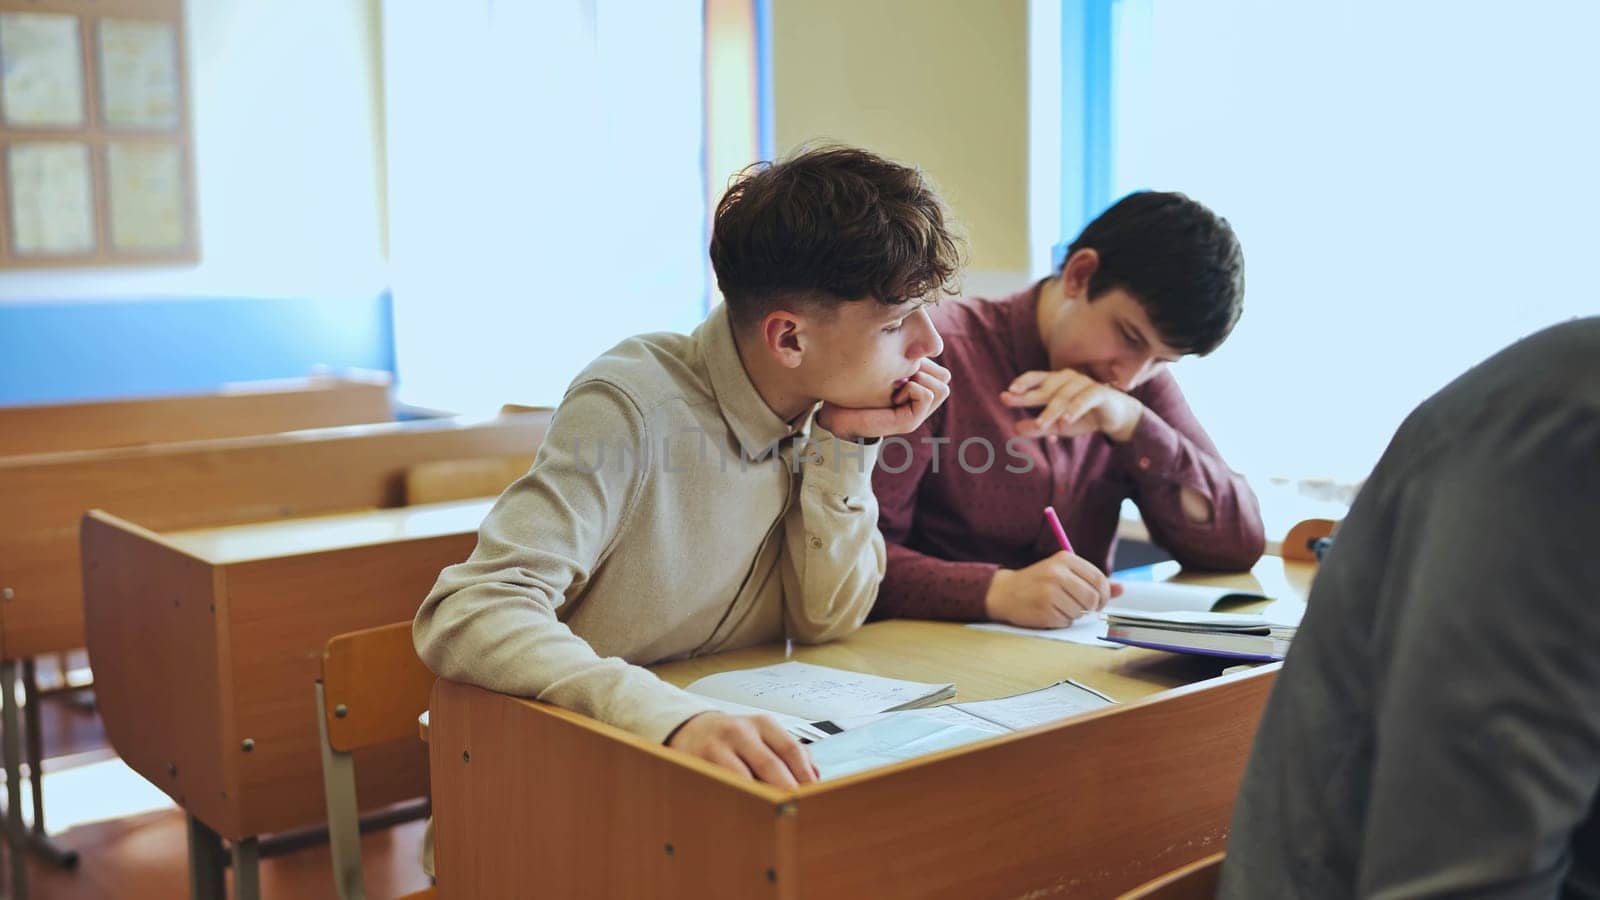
(1055, 525)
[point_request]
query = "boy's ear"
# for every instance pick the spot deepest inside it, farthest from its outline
(1078, 269)
(783, 334)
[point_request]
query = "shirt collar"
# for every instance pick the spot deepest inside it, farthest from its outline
(1027, 343)
(753, 422)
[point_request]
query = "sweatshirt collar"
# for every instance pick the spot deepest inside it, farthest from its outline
(754, 423)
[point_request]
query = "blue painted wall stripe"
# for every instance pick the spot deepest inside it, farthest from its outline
(767, 135)
(1099, 136)
(59, 352)
(1086, 116)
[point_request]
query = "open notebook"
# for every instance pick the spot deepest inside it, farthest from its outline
(1137, 596)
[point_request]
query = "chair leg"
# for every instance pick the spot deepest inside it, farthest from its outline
(344, 817)
(11, 748)
(39, 841)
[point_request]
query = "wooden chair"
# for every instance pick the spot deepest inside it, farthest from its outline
(372, 690)
(1196, 881)
(1298, 543)
(462, 479)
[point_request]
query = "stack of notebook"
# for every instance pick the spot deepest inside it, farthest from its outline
(1237, 635)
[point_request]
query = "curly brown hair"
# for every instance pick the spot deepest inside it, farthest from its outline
(831, 224)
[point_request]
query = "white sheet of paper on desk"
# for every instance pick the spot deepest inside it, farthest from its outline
(814, 692)
(1088, 630)
(1041, 707)
(950, 714)
(894, 738)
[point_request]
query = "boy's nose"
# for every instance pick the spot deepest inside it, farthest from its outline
(932, 344)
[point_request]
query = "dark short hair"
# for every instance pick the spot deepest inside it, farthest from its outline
(828, 225)
(1178, 259)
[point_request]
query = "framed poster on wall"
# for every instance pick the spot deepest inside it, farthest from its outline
(96, 148)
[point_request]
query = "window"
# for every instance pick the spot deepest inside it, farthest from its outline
(546, 176)
(1415, 185)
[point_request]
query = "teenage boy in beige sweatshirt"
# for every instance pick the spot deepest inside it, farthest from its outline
(699, 493)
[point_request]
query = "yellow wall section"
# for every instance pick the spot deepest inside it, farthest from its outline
(942, 84)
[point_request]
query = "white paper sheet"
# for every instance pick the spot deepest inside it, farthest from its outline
(139, 74)
(52, 207)
(42, 62)
(1051, 704)
(145, 185)
(1088, 630)
(901, 736)
(812, 692)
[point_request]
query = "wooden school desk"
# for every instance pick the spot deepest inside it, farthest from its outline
(208, 643)
(528, 797)
(191, 485)
(234, 410)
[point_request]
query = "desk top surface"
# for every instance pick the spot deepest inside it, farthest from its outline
(313, 534)
(987, 664)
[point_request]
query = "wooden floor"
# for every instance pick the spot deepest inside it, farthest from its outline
(145, 855)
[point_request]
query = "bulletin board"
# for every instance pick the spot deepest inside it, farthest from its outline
(96, 147)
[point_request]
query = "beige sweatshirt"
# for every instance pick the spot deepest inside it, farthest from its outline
(669, 513)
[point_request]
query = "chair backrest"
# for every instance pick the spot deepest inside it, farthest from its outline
(374, 687)
(1297, 544)
(372, 690)
(461, 479)
(1196, 881)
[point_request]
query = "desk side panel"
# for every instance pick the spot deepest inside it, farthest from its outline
(1089, 808)
(151, 629)
(280, 614)
(208, 483)
(528, 798)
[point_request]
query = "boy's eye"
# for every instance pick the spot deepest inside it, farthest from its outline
(1131, 339)
(891, 329)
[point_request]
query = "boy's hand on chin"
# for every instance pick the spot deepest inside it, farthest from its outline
(912, 404)
(1074, 404)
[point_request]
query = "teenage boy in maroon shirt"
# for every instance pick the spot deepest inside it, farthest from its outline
(1062, 397)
